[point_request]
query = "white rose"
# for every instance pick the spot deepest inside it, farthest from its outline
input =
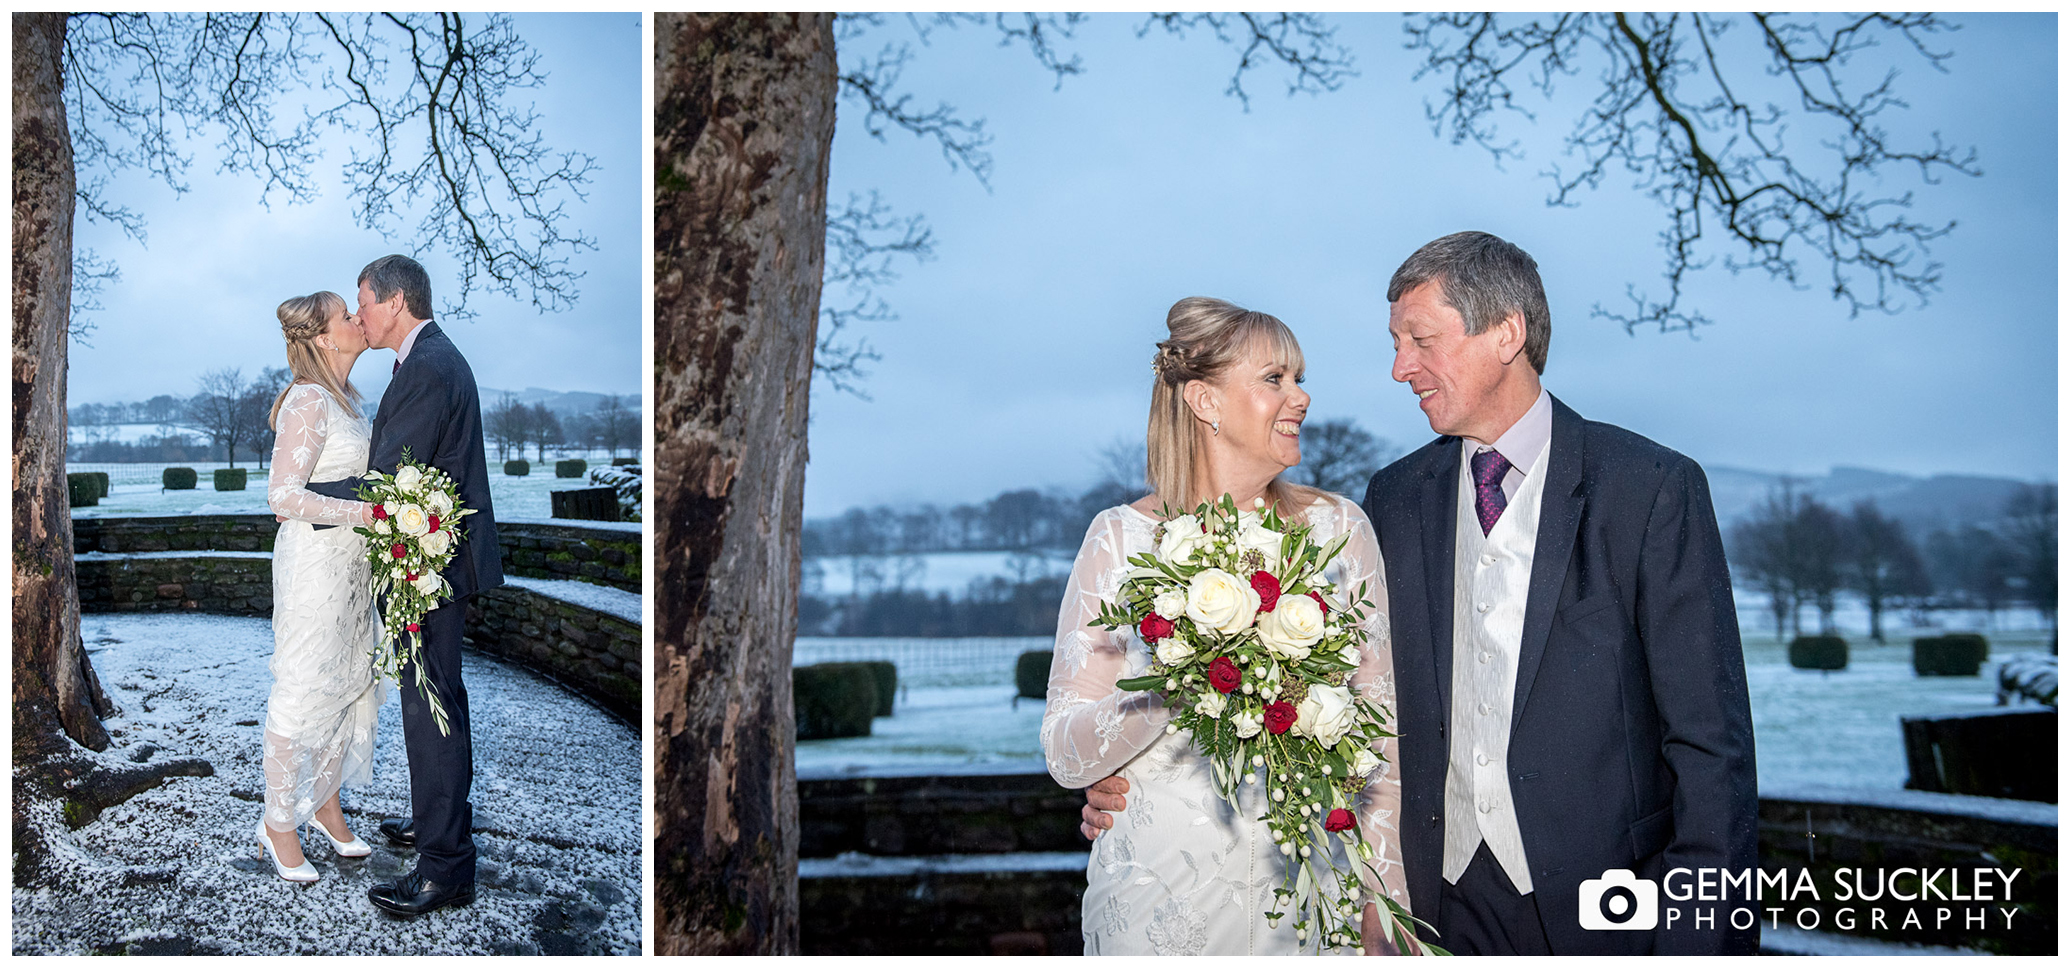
(1183, 536)
(398, 573)
(441, 503)
(1255, 536)
(1216, 600)
(1349, 654)
(410, 520)
(1170, 603)
(1247, 724)
(437, 542)
(381, 526)
(1172, 650)
(408, 478)
(1326, 715)
(1364, 762)
(1212, 704)
(427, 583)
(1292, 627)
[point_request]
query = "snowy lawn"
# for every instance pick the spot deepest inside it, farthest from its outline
(513, 497)
(1838, 729)
(176, 870)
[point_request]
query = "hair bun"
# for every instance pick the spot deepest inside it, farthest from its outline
(1170, 361)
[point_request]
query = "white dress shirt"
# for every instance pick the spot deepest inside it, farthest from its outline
(403, 352)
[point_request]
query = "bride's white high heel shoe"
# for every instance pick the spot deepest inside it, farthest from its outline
(304, 874)
(345, 848)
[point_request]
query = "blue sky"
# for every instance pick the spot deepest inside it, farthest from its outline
(202, 293)
(1023, 347)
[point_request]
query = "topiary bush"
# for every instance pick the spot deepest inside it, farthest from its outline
(1031, 675)
(82, 490)
(1961, 654)
(1828, 652)
(622, 461)
(570, 468)
(833, 699)
(178, 478)
(230, 478)
(101, 478)
(885, 675)
(517, 468)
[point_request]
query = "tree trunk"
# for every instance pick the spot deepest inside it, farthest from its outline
(54, 686)
(744, 121)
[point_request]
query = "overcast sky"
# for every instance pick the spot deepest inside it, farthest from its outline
(202, 293)
(1025, 345)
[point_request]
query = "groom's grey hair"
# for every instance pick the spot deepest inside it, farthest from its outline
(1485, 279)
(392, 273)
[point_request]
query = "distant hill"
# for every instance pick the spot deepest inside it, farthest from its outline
(561, 402)
(1924, 504)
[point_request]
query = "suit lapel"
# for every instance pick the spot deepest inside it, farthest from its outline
(1439, 509)
(1559, 517)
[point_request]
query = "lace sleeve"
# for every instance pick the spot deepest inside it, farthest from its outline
(1089, 728)
(302, 424)
(1380, 804)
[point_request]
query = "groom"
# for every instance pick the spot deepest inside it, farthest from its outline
(1570, 692)
(431, 408)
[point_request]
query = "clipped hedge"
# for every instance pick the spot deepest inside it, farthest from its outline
(885, 675)
(833, 699)
(82, 490)
(517, 468)
(1961, 654)
(1828, 652)
(231, 478)
(574, 467)
(1031, 675)
(622, 461)
(101, 478)
(178, 478)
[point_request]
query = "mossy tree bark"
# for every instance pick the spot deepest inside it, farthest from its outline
(744, 121)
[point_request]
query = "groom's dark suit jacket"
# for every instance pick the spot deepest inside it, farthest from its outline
(431, 407)
(1631, 745)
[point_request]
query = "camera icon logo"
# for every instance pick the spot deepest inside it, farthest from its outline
(1620, 901)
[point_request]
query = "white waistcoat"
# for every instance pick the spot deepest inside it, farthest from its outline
(1491, 580)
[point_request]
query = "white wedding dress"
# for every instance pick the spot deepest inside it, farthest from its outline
(1182, 871)
(321, 713)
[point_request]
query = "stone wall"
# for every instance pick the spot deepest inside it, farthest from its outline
(600, 554)
(590, 651)
(223, 583)
(182, 532)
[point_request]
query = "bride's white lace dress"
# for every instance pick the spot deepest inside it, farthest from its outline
(1183, 872)
(320, 715)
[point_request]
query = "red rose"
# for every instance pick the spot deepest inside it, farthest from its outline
(1154, 627)
(1325, 606)
(434, 523)
(398, 550)
(1279, 717)
(413, 626)
(1267, 588)
(411, 576)
(380, 512)
(1223, 675)
(1338, 820)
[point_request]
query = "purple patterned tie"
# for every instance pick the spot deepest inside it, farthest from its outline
(1488, 500)
(393, 369)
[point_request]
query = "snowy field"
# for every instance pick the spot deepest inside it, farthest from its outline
(175, 870)
(516, 498)
(957, 711)
(837, 576)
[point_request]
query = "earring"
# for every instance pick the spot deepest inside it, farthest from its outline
(1217, 425)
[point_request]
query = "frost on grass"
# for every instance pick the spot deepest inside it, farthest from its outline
(177, 869)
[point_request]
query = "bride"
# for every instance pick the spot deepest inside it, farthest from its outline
(320, 715)
(1182, 871)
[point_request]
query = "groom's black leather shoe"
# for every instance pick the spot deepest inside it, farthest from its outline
(413, 895)
(401, 833)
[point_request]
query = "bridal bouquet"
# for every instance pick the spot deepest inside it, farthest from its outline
(410, 541)
(1252, 650)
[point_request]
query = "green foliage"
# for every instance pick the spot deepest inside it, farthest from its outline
(1031, 674)
(570, 468)
(1828, 652)
(517, 468)
(1961, 654)
(85, 492)
(101, 478)
(883, 676)
(833, 699)
(178, 478)
(230, 478)
(623, 461)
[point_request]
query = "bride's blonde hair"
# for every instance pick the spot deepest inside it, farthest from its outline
(1207, 337)
(302, 320)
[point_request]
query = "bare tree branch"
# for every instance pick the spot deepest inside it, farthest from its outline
(1301, 41)
(1703, 127)
(863, 239)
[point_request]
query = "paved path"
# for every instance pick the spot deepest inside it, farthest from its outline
(176, 870)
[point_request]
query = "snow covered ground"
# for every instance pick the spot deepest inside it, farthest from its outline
(1810, 728)
(514, 497)
(176, 870)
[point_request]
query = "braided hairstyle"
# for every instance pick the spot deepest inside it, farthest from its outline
(303, 320)
(1207, 336)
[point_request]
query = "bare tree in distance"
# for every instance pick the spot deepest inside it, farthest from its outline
(1756, 133)
(258, 408)
(2030, 531)
(220, 411)
(1882, 563)
(1763, 556)
(1339, 456)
